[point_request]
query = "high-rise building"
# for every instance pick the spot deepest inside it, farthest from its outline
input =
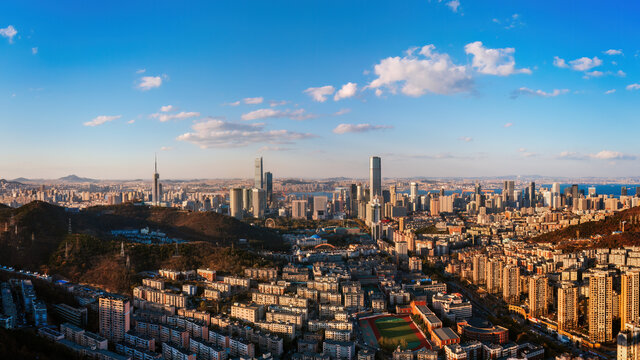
(259, 203)
(319, 207)
(538, 296)
(630, 298)
(246, 199)
(567, 306)
(268, 185)
(479, 271)
(376, 226)
(235, 203)
(155, 191)
(511, 284)
(629, 343)
(532, 194)
(600, 310)
(494, 276)
(299, 209)
(623, 191)
(555, 188)
(375, 177)
(257, 178)
(393, 194)
(507, 192)
(114, 316)
(413, 191)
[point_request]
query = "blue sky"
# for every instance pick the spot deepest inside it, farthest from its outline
(436, 88)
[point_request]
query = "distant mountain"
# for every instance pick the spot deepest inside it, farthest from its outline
(77, 179)
(599, 234)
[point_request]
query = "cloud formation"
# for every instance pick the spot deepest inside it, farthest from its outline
(9, 32)
(633, 87)
(465, 138)
(320, 94)
(346, 91)
(253, 100)
(613, 52)
(99, 120)
(541, 93)
(453, 5)
(217, 133)
(269, 113)
(493, 61)
(416, 75)
(602, 155)
(149, 82)
(164, 117)
(358, 128)
(167, 108)
(580, 64)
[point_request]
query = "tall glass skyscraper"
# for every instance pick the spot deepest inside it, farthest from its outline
(258, 184)
(375, 176)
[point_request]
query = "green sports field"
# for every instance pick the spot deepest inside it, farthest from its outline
(398, 328)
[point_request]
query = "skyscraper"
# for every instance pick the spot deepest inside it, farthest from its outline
(114, 316)
(532, 194)
(299, 209)
(268, 184)
(155, 191)
(235, 203)
(259, 203)
(507, 192)
(538, 296)
(511, 284)
(629, 343)
(494, 276)
(257, 179)
(375, 177)
(630, 298)
(600, 310)
(567, 306)
(479, 271)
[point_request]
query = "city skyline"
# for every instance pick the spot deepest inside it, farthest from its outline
(215, 84)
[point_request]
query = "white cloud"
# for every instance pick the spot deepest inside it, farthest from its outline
(511, 22)
(613, 52)
(493, 61)
(559, 62)
(274, 103)
(274, 148)
(235, 103)
(633, 87)
(454, 5)
(9, 32)
(34, 50)
(141, 71)
(508, 125)
(268, 113)
(320, 94)
(341, 112)
(595, 73)
(216, 133)
(602, 155)
(348, 90)
(167, 108)
(131, 121)
(359, 128)
(530, 92)
(465, 138)
(431, 73)
(585, 63)
(149, 82)
(99, 120)
(177, 116)
(621, 73)
(610, 91)
(166, 148)
(253, 100)
(612, 155)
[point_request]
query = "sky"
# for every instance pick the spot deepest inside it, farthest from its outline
(435, 88)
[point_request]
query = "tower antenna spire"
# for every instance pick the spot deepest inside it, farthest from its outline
(155, 155)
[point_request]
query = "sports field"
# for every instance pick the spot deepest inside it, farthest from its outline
(395, 328)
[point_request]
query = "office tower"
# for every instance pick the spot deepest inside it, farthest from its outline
(353, 207)
(507, 192)
(114, 316)
(629, 343)
(413, 191)
(538, 296)
(479, 271)
(623, 191)
(592, 191)
(494, 276)
(268, 185)
(600, 310)
(441, 192)
(259, 203)
(235, 203)
(478, 189)
(246, 199)
(299, 209)
(375, 177)
(155, 192)
(555, 188)
(638, 191)
(376, 226)
(575, 194)
(567, 306)
(257, 177)
(511, 284)
(630, 298)
(319, 207)
(393, 192)
(532, 194)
